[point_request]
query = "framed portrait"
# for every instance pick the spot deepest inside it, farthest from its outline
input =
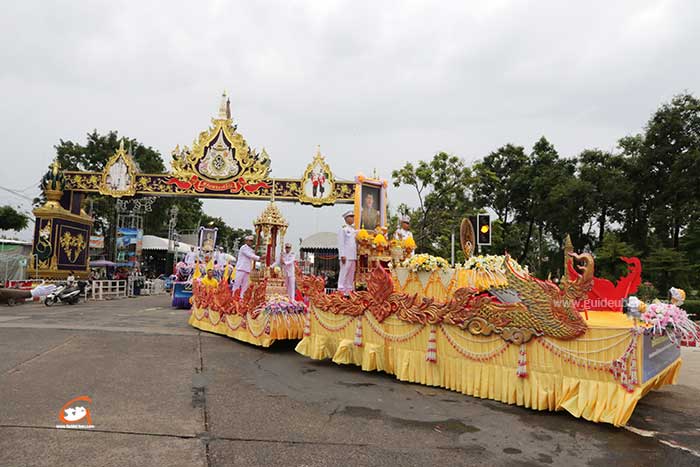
(318, 184)
(370, 203)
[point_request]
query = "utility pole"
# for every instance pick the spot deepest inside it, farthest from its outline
(172, 223)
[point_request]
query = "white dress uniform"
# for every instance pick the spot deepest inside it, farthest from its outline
(190, 258)
(244, 263)
(347, 246)
(286, 263)
(402, 234)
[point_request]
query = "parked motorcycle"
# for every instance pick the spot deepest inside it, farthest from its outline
(65, 293)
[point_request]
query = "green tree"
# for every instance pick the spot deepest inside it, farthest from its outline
(11, 219)
(541, 207)
(670, 158)
(443, 187)
(607, 257)
(666, 268)
(604, 172)
(501, 182)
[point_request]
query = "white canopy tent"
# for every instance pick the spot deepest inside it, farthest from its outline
(151, 242)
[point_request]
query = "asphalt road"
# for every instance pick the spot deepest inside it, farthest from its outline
(166, 394)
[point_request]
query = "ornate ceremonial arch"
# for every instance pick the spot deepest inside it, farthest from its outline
(220, 164)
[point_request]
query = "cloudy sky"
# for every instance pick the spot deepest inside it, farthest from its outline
(376, 84)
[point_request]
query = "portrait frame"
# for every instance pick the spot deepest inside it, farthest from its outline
(105, 187)
(327, 195)
(378, 189)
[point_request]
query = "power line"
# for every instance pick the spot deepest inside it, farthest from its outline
(16, 193)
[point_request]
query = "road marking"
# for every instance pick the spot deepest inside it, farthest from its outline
(653, 434)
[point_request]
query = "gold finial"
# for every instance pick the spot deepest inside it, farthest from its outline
(55, 167)
(121, 145)
(318, 149)
(224, 107)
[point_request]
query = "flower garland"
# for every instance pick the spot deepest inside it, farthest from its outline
(478, 357)
(425, 263)
(377, 328)
(330, 327)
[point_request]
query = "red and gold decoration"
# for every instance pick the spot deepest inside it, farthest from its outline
(256, 318)
(535, 350)
(264, 313)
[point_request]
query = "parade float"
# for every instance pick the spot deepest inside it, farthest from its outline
(485, 328)
(491, 330)
(264, 313)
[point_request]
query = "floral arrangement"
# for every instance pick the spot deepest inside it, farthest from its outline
(493, 264)
(408, 244)
(363, 235)
(393, 243)
(380, 241)
(279, 304)
(667, 318)
(425, 263)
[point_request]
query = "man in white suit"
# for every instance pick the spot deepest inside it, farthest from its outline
(286, 263)
(404, 232)
(244, 263)
(347, 251)
(191, 257)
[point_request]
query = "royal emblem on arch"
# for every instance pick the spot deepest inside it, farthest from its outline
(220, 158)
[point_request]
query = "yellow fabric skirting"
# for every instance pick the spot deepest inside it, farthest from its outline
(561, 375)
(261, 331)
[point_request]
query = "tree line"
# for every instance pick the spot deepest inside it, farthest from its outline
(641, 199)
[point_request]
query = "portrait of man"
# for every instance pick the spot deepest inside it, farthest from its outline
(370, 215)
(118, 176)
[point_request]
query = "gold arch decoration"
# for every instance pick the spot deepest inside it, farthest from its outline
(220, 164)
(119, 175)
(220, 154)
(323, 193)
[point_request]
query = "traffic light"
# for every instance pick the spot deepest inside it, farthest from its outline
(483, 232)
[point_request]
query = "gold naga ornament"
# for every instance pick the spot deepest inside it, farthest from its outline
(543, 308)
(119, 175)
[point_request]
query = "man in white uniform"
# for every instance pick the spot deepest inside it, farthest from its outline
(403, 232)
(190, 257)
(220, 257)
(244, 263)
(347, 251)
(286, 263)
